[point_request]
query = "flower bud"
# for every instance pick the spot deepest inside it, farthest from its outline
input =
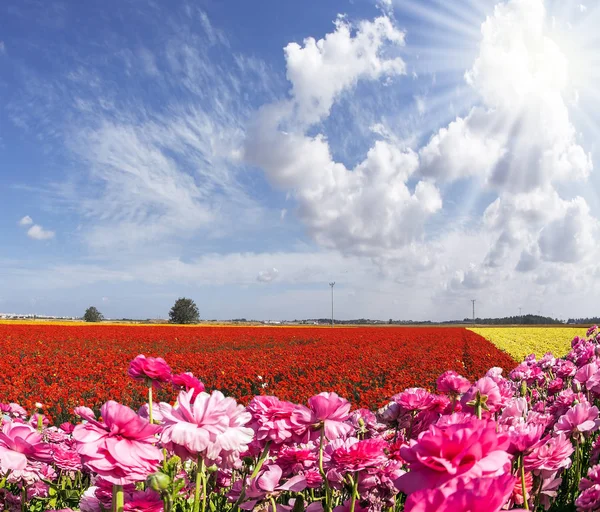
(159, 481)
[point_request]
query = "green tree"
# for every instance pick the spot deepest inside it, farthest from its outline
(184, 311)
(92, 315)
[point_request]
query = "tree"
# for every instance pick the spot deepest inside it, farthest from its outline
(92, 315)
(184, 311)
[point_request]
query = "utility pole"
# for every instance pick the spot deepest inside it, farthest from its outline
(520, 316)
(332, 285)
(473, 301)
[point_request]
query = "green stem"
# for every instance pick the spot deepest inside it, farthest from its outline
(327, 505)
(273, 504)
(118, 498)
(199, 482)
(24, 498)
(261, 460)
(40, 422)
(150, 403)
(523, 486)
(354, 492)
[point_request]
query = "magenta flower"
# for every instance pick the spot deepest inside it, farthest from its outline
(20, 442)
(296, 459)
(271, 419)
(121, 449)
(150, 369)
(327, 411)
(414, 399)
(211, 426)
(464, 494)
(186, 381)
(452, 383)
(144, 501)
(580, 418)
(66, 458)
(472, 449)
(490, 393)
(355, 455)
(523, 436)
(589, 499)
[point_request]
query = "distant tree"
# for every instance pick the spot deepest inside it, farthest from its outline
(184, 311)
(391, 321)
(92, 315)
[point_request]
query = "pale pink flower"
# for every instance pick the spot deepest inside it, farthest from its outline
(20, 442)
(121, 448)
(144, 412)
(210, 426)
(355, 455)
(271, 419)
(581, 418)
(452, 383)
(473, 449)
(327, 411)
(150, 369)
(523, 436)
(549, 455)
(186, 381)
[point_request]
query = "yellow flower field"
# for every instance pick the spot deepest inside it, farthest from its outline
(519, 342)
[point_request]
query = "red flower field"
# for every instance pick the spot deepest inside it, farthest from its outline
(66, 366)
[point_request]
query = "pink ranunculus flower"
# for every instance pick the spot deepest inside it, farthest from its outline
(589, 499)
(549, 455)
(144, 412)
(186, 381)
(271, 419)
(121, 448)
(523, 436)
(296, 459)
(325, 410)
(414, 399)
(472, 449)
(153, 369)
(490, 392)
(66, 458)
(581, 418)
(210, 426)
(452, 383)
(144, 501)
(20, 442)
(356, 455)
(464, 494)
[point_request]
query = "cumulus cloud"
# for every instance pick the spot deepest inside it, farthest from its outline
(26, 221)
(362, 210)
(37, 232)
(266, 276)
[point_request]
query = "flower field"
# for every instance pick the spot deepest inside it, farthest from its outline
(519, 342)
(526, 439)
(65, 366)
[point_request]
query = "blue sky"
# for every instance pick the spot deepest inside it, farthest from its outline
(420, 154)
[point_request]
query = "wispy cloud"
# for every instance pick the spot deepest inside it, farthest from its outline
(37, 232)
(26, 221)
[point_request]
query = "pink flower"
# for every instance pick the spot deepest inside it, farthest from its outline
(186, 381)
(471, 449)
(355, 455)
(210, 426)
(326, 410)
(271, 418)
(66, 458)
(589, 499)
(523, 436)
(144, 501)
(150, 369)
(452, 383)
(20, 442)
(464, 494)
(581, 418)
(293, 460)
(490, 393)
(67, 427)
(121, 449)
(414, 399)
(549, 455)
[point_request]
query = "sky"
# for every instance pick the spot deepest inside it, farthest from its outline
(418, 153)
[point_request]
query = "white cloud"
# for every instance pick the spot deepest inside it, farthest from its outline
(364, 210)
(26, 221)
(2, 47)
(320, 71)
(38, 233)
(266, 276)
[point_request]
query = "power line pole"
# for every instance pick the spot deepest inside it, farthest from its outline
(520, 316)
(332, 285)
(473, 301)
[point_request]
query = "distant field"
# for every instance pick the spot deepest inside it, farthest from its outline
(64, 365)
(519, 342)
